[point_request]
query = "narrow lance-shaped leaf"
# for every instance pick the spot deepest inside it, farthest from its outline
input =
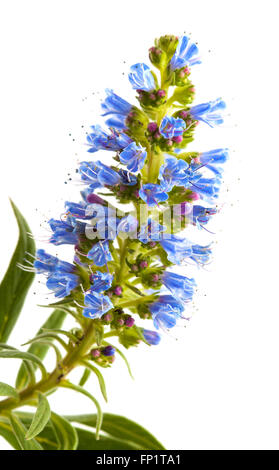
(79, 389)
(16, 282)
(99, 376)
(65, 433)
(26, 356)
(55, 320)
(121, 428)
(8, 391)
(20, 432)
(40, 419)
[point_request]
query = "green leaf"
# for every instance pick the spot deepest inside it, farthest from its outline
(40, 419)
(7, 432)
(16, 282)
(15, 354)
(100, 378)
(77, 388)
(8, 391)
(48, 335)
(85, 377)
(87, 441)
(30, 372)
(55, 320)
(121, 428)
(65, 433)
(20, 431)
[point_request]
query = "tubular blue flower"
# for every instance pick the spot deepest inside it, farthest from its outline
(127, 178)
(127, 224)
(165, 311)
(177, 249)
(152, 231)
(185, 54)
(152, 194)
(96, 305)
(62, 284)
(152, 337)
(45, 263)
(174, 172)
(100, 253)
(201, 254)
(100, 281)
(209, 112)
(172, 127)
(141, 77)
(97, 174)
(78, 210)
(133, 156)
(114, 104)
(207, 188)
(102, 140)
(181, 287)
(66, 232)
(202, 215)
(213, 159)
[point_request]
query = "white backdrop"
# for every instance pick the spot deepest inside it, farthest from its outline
(217, 386)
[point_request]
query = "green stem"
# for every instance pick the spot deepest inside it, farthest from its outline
(70, 361)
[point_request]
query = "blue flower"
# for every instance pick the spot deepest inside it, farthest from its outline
(100, 281)
(172, 127)
(127, 224)
(152, 231)
(66, 232)
(97, 174)
(152, 337)
(165, 311)
(102, 140)
(152, 194)
(45, 263)
(201, 254)
(207, 188)
(96, 305)
(100, 253)
(213, 159)
(181, 287)
(117, 107)
(202, 215)
(127, 178)
(133, 156)
(185, 54)
(141, 78)
(62, 284)
(209, 112)
(174, 172)
(177, 249)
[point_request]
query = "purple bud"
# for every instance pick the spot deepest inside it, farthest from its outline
(155, 277)
(152, 127)
(94, 199)
(108, 351)
(193, 196)
(152, 97)
(120, 321)
(134, 268)
(157, 135)
(95, 353)
(107, 317)
(118, 290)
(143, 264)
(169, 142)
(130, 322)
(184, 114)
(152, 244)
(177, 139)
(161, 93)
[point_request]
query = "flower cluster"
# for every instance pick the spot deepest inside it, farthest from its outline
(121, 274)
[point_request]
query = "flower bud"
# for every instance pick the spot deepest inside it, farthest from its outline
(134, 268)
(95, 353)
(177, 139)
(95, 199)
(143, 264)
(152, 127)
(129, 322)
(107, 317)
(161, 93)
(108, 351)
(118, 290)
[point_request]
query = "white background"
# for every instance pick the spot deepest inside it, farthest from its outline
(217, 386)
